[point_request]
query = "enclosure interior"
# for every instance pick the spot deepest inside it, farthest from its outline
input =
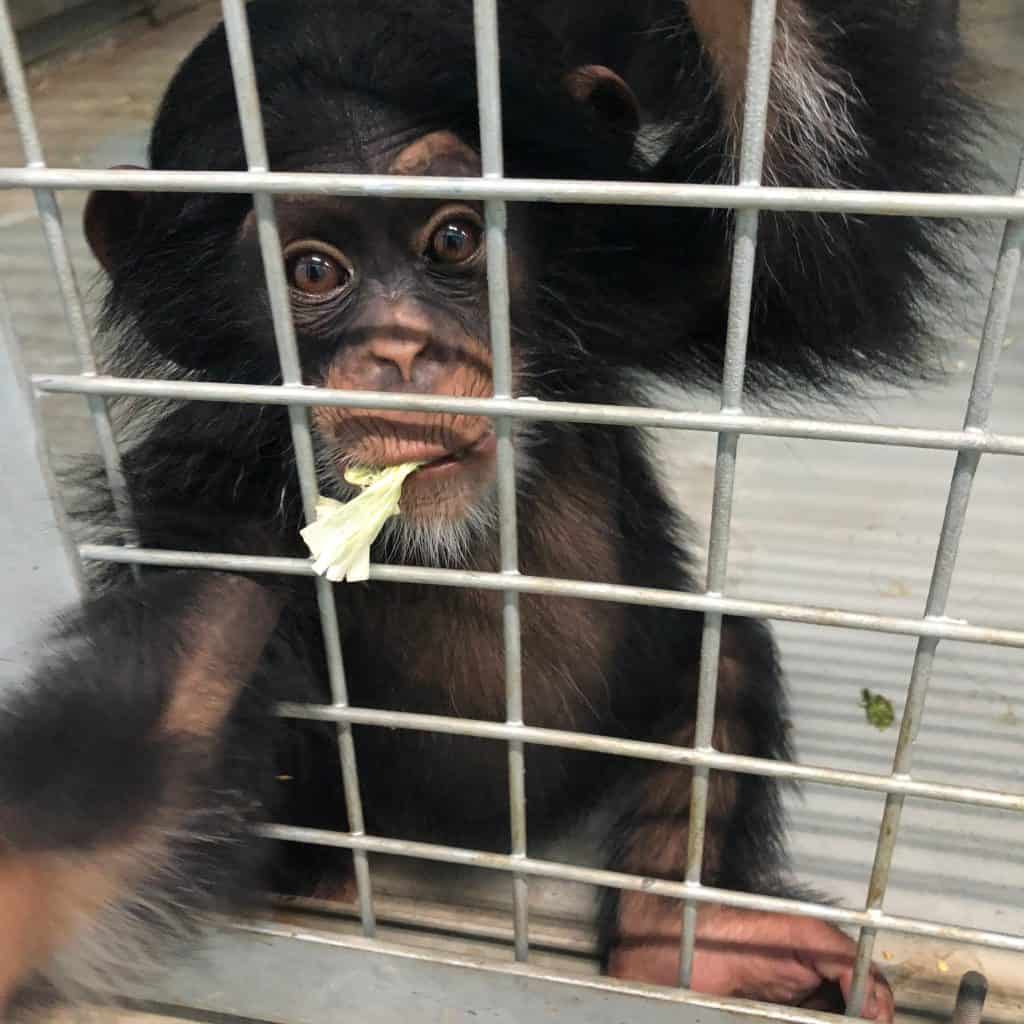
(822, 524)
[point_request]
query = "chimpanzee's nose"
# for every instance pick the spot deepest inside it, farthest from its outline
(400, 352)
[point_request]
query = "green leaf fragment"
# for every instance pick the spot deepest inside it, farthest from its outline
(340, 539)
(877, 709)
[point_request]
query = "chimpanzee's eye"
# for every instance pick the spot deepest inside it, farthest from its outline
(316, 272)
(455, 241)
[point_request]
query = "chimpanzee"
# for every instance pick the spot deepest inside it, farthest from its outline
(136, 757)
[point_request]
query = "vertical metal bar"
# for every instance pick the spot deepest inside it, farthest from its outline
(9, 342)
(244, 73)
(976, 418)
(56, 241)
(755, 121)
(485, 20)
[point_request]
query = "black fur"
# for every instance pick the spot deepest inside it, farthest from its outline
(834, 295)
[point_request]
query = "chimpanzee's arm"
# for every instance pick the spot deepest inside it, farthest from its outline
(772, 957)
(119, 803)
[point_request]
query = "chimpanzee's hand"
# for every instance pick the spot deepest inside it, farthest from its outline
(780, 959)
(775, 958)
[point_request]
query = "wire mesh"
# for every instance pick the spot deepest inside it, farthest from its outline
(748, 197)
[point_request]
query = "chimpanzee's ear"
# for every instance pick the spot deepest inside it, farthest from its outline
(607, 94)
(110, 219)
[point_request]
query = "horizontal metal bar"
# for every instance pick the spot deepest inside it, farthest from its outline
(948, 629)
(384, 186)
(292, 973)
(530, 409)
(640, 883)
(645, 751)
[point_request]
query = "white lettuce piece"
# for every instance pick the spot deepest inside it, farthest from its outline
(339, 540)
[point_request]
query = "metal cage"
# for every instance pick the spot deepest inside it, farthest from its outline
(280, 948)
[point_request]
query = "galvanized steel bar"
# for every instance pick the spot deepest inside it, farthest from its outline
(662, 752)
(976, 419)
(9, 342)
(428, 986)
(60, 257)
(251, 117)
(640, 883)
(949, 629)
(488, 69)
(542, 411)
(527, 190)
(303, 973)
(752, 147)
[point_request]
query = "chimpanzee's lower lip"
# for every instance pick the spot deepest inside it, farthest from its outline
(485, 447)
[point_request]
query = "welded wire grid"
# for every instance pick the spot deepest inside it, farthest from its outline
(747, 197)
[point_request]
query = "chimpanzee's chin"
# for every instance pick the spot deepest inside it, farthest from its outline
(444, 535)
(449, 490)
(449, 495)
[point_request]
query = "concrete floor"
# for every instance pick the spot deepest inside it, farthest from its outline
(827, 524)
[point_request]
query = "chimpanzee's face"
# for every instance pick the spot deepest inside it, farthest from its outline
(391, 295)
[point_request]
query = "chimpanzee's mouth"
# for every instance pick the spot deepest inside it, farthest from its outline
(484, 447)
(433, 457)
(449, 483)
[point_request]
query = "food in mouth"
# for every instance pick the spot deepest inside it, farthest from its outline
(340, 538)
